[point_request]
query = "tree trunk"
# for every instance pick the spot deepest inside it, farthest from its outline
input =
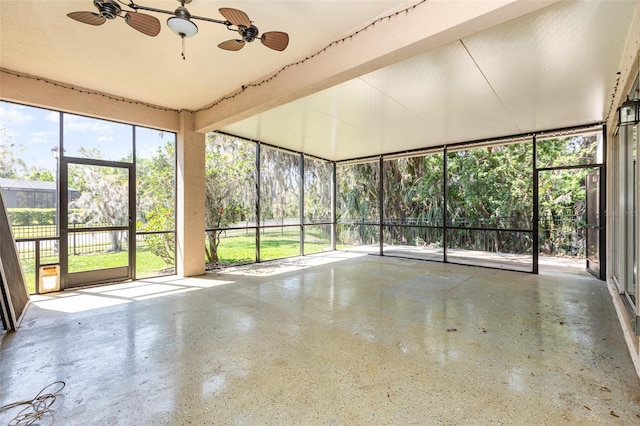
(213, 238)
(115, 241)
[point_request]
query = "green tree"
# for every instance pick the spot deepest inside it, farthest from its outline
(230, 188)
(41, 174)
(10, 165)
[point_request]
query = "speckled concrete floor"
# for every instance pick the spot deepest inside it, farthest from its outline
(344, 339)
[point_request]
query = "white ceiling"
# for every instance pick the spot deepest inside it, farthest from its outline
(37, 38)
(544, 70)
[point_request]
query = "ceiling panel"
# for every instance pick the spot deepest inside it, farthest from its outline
(549, 69)
(445, 89)
(556, 68)
(413, 104)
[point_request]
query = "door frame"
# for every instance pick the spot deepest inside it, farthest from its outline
(602, 260)
(596, 268)
(98, 276)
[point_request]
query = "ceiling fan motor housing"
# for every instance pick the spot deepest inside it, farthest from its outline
(109, 9)
(182, 12)
(248, 34)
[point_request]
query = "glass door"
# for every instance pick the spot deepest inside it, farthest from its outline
(97, 227)
(594, 225)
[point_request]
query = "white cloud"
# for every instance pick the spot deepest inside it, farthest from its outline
(39, 137)
(105, 139)
(74, 123)
(53, 117)
(13, 115)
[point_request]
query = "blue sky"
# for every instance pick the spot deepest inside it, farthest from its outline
(32, 131)
(35, 131)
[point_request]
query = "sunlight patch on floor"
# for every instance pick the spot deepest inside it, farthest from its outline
(276, 267)
(88, 298)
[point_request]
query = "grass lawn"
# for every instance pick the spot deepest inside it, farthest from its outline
(274, 244)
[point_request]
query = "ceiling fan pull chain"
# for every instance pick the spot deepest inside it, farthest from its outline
(183, 57)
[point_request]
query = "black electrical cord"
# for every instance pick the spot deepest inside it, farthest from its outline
(36, 407)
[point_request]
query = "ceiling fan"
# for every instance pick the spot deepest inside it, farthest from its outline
(181, 23)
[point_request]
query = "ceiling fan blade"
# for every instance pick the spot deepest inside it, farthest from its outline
(232, 45)
(146, 24)
(275, 40)
(235, 16)
(87, 18)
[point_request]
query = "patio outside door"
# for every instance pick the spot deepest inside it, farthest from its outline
(96, 228)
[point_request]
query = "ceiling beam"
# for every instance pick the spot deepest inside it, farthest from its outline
(429, 25)
(40, 92)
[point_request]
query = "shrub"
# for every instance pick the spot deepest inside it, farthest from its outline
(31, 216)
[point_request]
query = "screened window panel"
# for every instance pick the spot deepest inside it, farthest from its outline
(155, 180)
(155, 254)
(317, 191)
(27, 257)
(230, 182)
(87, 137)
(491, 187)
(576, 150)
(358, 186)
(414, 190)
(317, 238)
(279, 187)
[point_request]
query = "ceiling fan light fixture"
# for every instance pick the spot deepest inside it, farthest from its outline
(181, 24)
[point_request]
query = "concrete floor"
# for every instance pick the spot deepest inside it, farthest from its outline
(338, 339)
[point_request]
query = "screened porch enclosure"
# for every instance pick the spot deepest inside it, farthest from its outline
(504, 203)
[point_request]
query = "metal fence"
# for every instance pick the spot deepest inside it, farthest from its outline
(560, 235)
(34, 231)
(79, 243)
(563, 235)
